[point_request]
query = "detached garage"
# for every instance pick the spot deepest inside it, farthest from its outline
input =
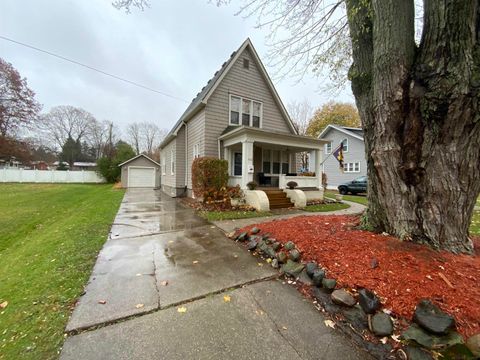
(140, 172)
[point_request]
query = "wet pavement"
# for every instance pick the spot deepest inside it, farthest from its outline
(159, 256)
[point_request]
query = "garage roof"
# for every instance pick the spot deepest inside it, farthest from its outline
(136, 157)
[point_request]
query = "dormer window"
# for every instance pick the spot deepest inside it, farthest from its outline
(245, 112)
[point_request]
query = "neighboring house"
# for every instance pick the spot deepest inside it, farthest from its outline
(82, 165)
(237, 116)
(140, 172)
(354, 163)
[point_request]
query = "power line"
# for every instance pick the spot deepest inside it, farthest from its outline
(92, 68)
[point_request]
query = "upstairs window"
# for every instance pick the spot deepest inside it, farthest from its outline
(235, 110)
(245, 112)
(345, 145)
(328, 148)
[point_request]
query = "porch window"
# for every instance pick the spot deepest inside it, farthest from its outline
(235, 110)
(237, 164)
(245, 112)
(276, 162)
(266, 162)
(284, 162)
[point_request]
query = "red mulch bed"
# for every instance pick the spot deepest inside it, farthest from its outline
(406, 272)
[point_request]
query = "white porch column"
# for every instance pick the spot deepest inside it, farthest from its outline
(227, 156)
(318, 168)
(247, 163)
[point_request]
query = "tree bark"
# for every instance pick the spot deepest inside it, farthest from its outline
(420, 113)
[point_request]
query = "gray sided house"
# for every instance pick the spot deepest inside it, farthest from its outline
(354, 165)
(237, 116)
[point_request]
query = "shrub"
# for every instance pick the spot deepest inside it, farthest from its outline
(292, 185)
(235, 192)
(217, 199)
(209, 174)
(252, 185)
(324, 180)
(307, 173)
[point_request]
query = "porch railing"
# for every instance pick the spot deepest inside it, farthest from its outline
(302, 181)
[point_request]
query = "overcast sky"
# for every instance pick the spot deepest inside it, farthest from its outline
(174, 46)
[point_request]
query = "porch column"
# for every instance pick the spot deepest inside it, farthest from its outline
(247, 163)
(318, 168)
(226, 156)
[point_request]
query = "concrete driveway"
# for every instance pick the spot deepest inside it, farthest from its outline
(161, 257)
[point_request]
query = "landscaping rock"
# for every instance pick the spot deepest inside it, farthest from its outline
(289, 245)
(420, 336)
(311, 267)
(276, 245)
(357, 317)
(266, 236)
(368, 301)
(382, 325)
(473, 343)
(432, 319)
(293, 268)
(329, 284)
(416, 353)
(458, 351)
(252, 245)
(281, 257)
(255, 230)
(242, 237)
(342, 297)
(275, 264)
(373, 263)
(294, 255)
(269, 252)
(318, 276)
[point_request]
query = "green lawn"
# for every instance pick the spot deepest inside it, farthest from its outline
(326, 207)
(475, 224)
(231, 215)
(361, 199)
(50, 236)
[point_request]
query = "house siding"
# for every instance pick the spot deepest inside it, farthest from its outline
(168, 180)
(356, 153)
(180, 158)
(248, 83)
(195, 135)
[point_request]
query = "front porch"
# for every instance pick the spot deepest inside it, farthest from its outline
(270, 159)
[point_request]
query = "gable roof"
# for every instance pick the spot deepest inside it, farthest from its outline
(136, 157)
(202, 97)
(351, 131)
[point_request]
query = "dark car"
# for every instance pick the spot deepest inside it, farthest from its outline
(359, 185)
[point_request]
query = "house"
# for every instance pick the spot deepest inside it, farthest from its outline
(354, 162)
(238, 116)
(140, 172)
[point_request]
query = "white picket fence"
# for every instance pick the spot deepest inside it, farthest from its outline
(9, 175)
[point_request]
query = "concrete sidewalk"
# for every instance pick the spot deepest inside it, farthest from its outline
(161, 256)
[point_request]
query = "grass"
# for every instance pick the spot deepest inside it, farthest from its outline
(360, 199)
(50, 236)
(475, 224)
(326, 207)
(231, 215)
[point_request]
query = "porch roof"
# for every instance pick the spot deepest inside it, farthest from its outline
(246, 133)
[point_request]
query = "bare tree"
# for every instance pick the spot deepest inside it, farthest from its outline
(128, 4)
(301, 112)
(63, 122)
(100, 136)
(418, 102)
(134, 137)
(18, 106)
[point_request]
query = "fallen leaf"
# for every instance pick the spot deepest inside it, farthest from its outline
(269, 260)
(226, 298)
(284, 327)
(182, 309)
(329, 323)
(396, 338)
(384, 340)
(195, 262)
(3, 305)
(103, 302)
(164, 283)
(138, 306)
(170, 242)
(259, 264)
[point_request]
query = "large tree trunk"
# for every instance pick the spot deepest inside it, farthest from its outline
(420, 111)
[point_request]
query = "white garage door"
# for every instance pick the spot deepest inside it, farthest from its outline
(141, 177)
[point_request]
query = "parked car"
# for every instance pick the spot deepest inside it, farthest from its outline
(359, 185)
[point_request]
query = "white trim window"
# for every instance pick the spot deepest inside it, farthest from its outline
(328, 148)
(345, 145)
(163, 166)
(245, 112)
(196, 151)
(172, 162)
(353, 167)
